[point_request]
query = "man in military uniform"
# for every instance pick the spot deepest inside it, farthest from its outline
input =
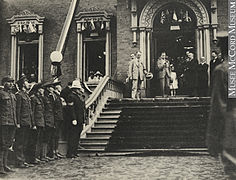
(7, 121)
(25, 122)
(49, 99)
(58, 116)
(36, 135)
(76, 109)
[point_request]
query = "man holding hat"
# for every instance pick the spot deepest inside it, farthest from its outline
(7, 121)
(136, 74)
(24, 121)
(76, 109)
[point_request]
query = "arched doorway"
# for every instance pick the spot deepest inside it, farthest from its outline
(186, 28)
(174, 33)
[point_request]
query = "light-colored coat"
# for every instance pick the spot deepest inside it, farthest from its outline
(136, 70)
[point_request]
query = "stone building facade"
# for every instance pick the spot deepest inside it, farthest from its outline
(103, 34)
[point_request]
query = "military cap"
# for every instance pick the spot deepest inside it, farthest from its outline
(22, 79)
(7, 79)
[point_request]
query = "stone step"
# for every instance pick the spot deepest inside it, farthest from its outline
(108, 116)
(98, 134)
(162, 120)
(106, 121)
(95, 140)
(160, 145)
(94, 145)
(140, 133)
(113, 112)
(105, 125)
(160, 127)
(101, 129)
(160, 99)
(110, 110)
(156, 139)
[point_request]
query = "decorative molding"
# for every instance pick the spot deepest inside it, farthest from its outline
(95, 15)
(152, 7)
(26, 15)
(26, 21)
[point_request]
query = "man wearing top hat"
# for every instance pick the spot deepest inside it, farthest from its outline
(7, 121)
(76, 112)
(25, 121)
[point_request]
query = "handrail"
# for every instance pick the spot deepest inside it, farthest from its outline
(66, 26)
(96, 91)
(95, 103)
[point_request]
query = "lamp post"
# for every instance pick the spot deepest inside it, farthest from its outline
(56, 58)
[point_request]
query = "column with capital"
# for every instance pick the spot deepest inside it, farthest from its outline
(79, 68)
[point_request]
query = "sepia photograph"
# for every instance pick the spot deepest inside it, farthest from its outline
(118, 89)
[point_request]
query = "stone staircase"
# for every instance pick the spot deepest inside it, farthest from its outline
(98, 138)
(150, 123)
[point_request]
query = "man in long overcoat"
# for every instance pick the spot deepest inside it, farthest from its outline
(76, 112)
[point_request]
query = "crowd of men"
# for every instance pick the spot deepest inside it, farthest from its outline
(32, 118)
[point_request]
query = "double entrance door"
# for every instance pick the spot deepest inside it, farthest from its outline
(176, 44)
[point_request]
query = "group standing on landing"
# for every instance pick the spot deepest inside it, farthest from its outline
(193, 77)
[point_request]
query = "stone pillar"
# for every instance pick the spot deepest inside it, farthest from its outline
(207, 44)
(143, 47)
(134, 21)
(108, 50)
(197, 43)
(148, 67)
(79, 69)
(13, 52)
(40, 51)
(200, 42)
(214, 18)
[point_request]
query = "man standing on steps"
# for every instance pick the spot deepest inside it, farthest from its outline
(163, 66)
(7, 121)
(136, 74)
(76, 113)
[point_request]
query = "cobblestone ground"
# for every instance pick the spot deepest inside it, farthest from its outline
(126, 167)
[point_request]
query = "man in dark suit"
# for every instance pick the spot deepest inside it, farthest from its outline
(191, 75)
(76, 112)
(215, 61)
(163, 66)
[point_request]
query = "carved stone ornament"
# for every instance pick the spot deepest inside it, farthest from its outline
(92, 19)
(27, 22)
(152, 7)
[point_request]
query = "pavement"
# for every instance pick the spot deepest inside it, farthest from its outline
(127, 166)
